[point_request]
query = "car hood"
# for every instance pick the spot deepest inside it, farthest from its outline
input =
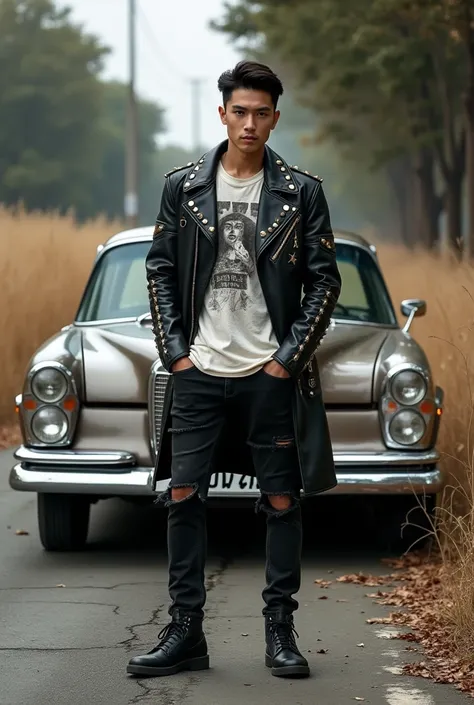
(117, 360)
(347, 362)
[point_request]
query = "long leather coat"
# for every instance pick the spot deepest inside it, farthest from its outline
(296, 263)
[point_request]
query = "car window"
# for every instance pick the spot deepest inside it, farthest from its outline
(117, 287)
(364, 296)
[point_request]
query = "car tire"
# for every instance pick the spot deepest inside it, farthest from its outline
(63, 521)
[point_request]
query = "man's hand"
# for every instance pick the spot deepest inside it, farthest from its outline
(274, 369)
(183, 363)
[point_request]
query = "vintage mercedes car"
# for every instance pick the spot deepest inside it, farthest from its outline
(93, 396)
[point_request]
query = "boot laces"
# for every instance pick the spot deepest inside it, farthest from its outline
(283, 634)
(172, 634)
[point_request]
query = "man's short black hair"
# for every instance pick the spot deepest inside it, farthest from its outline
(250, 75)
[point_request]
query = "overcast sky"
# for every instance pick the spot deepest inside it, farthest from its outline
(174, 44)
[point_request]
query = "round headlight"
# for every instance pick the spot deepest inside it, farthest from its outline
(407, 427)
(49, 385)
(408, 387)
(49, 424)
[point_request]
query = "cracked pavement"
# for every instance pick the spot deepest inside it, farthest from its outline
(70, 645)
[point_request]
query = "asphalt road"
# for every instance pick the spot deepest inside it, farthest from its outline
(70, 622)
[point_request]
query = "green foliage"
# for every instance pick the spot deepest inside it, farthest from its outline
(50, 100)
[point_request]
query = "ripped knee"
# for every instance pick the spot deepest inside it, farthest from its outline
(180, 493)
(277, 505)
(175, 494)
(280, 501)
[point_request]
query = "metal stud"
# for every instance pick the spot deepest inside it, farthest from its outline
(200, 216)
(187, 184)
(191, 204)
(275, 225)
(263, 233)
(195, 209)
(205, 221)
(291, 186)
(211, 228)
(286, 208)
(293, 209)
(189, 164)
(196, 168)
(201, 161)
(270, 230)
(279, 162)
(288, 177)
(283, 214)
(282, 168)
(193, 176)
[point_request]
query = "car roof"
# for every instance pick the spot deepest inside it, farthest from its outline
(146, 234)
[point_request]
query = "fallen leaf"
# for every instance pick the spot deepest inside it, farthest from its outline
(244, 634)
(22, 532)
(323, 597)
(361, 645)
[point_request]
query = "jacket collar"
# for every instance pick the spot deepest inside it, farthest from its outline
(278, 175)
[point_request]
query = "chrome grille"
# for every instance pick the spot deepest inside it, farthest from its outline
(157, 387)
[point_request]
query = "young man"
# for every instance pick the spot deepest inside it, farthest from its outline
(243, 279)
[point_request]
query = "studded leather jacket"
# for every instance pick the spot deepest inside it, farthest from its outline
(295, 251)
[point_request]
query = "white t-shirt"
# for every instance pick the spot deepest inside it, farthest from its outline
(235, 337)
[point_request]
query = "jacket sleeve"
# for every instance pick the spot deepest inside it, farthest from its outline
(321, 288)
(162, 285)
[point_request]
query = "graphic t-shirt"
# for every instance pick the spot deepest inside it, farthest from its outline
(235, 337)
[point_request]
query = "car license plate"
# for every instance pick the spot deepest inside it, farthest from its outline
(225, 484)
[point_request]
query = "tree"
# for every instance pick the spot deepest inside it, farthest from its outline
(375, 82)
(50, 101)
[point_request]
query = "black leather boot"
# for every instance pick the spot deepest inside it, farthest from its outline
(282, 654)
(182, 647)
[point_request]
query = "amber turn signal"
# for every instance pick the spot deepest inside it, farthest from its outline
(70, 404)
(30, 404)
(427, 407)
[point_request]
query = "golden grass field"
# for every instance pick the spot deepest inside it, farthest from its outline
(45, 261)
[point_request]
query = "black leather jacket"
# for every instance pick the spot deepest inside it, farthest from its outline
(295, 254)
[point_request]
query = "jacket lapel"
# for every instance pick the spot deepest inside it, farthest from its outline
(278, 202)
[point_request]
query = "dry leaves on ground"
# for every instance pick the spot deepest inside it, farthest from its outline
(425, 602)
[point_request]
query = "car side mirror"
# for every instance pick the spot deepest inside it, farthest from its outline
(412, 308)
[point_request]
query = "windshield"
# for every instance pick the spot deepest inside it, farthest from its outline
(117, 288)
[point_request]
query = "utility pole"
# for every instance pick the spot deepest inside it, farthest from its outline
(131, 153)
(196, 113)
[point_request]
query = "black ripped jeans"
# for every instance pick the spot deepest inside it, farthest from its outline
(260, 408)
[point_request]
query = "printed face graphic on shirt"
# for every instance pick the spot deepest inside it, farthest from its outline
(236, 256)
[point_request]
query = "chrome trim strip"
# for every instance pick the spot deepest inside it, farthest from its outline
(132, 482)
(80, 458)
(138, 482)
(75, 458)
(406, 459)
(107, 458)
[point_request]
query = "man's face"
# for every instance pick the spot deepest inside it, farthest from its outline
(233, 231)
(250, 117)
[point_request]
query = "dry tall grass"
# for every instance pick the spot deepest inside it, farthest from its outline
(44, 263)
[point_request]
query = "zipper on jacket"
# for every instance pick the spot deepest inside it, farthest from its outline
(285, 239)
(193, 288)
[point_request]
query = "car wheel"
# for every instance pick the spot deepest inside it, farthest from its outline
(63, 521)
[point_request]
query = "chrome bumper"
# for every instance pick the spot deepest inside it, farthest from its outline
(115, 474)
